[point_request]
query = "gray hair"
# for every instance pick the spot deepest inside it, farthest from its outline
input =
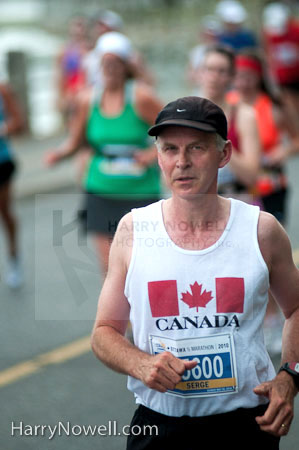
(219, 141)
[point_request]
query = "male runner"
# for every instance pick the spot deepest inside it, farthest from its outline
(192, 274)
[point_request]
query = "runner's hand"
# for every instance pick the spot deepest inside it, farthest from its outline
(163, 371)
(279, 414)
(146, 157)
(51, 158)
(278, 156)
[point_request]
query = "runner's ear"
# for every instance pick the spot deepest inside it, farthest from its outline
(226, 154)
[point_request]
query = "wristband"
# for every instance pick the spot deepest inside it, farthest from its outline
(293, 369)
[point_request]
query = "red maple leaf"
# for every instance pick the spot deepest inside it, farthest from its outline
(197, 298)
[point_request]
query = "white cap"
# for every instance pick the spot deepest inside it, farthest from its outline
(116, 43)
(275, 17)
(111, 19)
(210, 23)
(231, 11)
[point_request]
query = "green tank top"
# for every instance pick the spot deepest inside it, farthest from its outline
(112, 171)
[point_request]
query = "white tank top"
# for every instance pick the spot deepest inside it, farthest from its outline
(207, 305)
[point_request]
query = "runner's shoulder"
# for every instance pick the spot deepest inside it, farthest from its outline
(146, 95)
(123, 240)
(121, 248)
(125, 226)
(245, 112)
(272, 237)
(84, 97)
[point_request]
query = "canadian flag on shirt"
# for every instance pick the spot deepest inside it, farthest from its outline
(164, 298)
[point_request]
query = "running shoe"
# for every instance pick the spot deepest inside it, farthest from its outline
(14, 276)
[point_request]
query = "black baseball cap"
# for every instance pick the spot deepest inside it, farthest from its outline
(192, 112)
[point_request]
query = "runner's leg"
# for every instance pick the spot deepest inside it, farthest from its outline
(8, 218)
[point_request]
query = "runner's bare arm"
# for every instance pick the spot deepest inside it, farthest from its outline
(245, 163)
(76, 133)
(290, 144)
(160, 372)
(148, 107)
(284, 285)
(284, 275)
(147, 103)
(14, 120)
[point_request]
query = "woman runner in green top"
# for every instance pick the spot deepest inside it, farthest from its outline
(114, 119)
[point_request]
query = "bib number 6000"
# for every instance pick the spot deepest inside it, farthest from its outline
(207, 367)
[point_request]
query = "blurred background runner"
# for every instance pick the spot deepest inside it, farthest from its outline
(100, 23)
(233, 15)
(11, 122)
(113, 119)
(71, 75)
(216, 76)
(210, 27)
(279, 141)
(281, 43)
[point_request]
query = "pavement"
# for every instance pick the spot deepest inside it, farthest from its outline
(33, 176)
(48, 374)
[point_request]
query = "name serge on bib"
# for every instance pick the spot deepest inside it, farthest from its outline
(215, 372)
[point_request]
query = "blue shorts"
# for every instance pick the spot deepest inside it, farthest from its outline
(7, 169)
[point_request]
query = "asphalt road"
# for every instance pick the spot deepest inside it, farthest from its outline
(55, 307)
(48, 383)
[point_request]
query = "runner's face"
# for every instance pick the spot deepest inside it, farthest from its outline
(77, 28)
(246, 81)
(189, 160)
(113, 68)
(216, 75)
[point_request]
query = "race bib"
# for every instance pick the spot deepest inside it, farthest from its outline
(121, 166)
(215, 372)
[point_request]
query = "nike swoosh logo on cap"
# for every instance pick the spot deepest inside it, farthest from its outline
(181, 110)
